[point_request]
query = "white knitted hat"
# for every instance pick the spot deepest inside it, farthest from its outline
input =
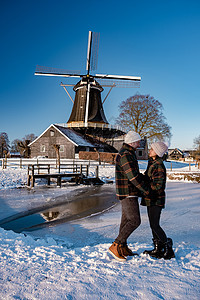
(160, 148)
(132, 137)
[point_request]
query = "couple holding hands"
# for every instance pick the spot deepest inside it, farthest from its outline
(131, 184)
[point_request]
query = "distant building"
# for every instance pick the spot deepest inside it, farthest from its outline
(14, 154)
(176, 154)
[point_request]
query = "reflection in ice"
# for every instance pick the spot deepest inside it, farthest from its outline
(85, 203)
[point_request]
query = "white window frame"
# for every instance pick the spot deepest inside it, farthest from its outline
(62, 147)
(42, 148)
(52, 132)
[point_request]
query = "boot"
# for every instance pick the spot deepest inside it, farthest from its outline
(157, 251)
(116, 251)
(126, 251)
(168, 251)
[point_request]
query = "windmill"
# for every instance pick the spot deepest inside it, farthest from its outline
(87, 116)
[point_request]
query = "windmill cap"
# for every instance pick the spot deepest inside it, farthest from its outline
(132, 137)
(160, 148)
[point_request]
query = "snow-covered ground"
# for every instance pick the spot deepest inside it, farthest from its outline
(70, 261)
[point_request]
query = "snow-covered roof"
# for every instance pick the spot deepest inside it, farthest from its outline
(76, 138)
(73, 136)
(170, 151)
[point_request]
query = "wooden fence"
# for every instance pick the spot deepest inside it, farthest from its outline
(24, 162)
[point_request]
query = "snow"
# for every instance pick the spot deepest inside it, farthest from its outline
(70, 260)
(76, 138)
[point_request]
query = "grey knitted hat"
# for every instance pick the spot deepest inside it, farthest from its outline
(160, 148)
(132, 137)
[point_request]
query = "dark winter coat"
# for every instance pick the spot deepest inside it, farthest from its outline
(128, 179)
(155, 175)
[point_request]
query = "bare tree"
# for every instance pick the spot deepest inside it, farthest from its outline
(23, 145)
(57, 148)
(4, 144)
(30, 137)
(24, 148)
(144, 114)
(15, 146)
(197, 144)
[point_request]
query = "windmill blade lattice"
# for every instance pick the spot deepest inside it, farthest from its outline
(48, 71)
(119, 83)
(94, 51)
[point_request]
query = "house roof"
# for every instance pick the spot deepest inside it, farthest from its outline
(171, 151)
(70, 134)
(73, 136)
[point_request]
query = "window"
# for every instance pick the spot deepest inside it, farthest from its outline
(61, 148)
(42, 148)
(52, 133)
(140, 153)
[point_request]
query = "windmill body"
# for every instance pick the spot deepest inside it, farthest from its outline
(87, 116)
(95, 107)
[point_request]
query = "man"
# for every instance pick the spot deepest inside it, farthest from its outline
(129, 186)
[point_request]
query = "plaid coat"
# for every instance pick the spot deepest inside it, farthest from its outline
(127, 177)
(155, 175)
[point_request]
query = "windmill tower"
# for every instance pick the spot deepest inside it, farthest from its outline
(87, 116)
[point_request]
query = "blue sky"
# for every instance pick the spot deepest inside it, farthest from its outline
(157, 40)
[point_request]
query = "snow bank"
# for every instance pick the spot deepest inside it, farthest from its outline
(47, 270)
(12, 178)
(70, 261)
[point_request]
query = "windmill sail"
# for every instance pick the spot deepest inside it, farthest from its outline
(95, 50)
(48, 71)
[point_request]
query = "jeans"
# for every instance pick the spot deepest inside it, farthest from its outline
(130, 219)
(154, 213)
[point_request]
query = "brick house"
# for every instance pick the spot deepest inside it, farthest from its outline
(70, 143)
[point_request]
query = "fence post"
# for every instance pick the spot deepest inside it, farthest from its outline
(32, 177)
(189, 166)
(171, 165)
(4, 163)
(28, 177)
(97, 171)
(38, 166)
(87, 170)
(20, 163)
(48, 179)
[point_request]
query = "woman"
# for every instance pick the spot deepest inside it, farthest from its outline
(155, 175)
